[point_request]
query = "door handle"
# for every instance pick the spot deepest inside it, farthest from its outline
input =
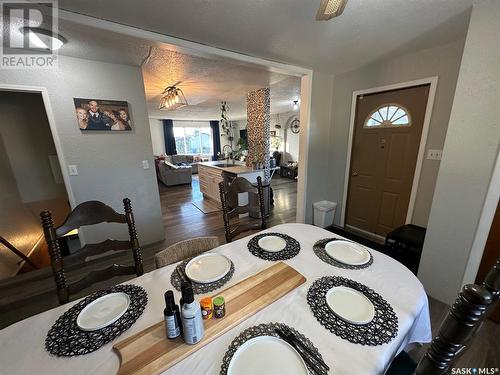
(354, 174)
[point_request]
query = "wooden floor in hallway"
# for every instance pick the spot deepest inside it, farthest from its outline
(183, 220)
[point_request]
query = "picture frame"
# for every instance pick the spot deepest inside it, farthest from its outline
(102, 115)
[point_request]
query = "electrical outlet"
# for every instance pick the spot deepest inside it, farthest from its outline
(145, 164)
(434, 154)
(73, 170)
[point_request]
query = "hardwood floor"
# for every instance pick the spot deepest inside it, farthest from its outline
(182, 220)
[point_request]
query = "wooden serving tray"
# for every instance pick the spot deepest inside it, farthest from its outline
(150, 352)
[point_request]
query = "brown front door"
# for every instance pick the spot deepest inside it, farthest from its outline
(387, 131)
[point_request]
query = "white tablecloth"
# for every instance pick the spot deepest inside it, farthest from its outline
(22, 344)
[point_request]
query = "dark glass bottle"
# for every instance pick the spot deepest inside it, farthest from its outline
(172, 316)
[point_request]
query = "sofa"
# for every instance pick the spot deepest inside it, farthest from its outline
(184, 160)
(171, 175)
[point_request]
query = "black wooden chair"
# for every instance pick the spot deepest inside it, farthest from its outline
(229, 191)
(89, 213)
(457, 330)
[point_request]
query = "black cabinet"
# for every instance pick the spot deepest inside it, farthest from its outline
(289, 172)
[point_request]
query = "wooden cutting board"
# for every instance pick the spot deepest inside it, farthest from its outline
(150, 352)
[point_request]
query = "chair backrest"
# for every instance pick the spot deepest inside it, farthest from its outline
(230, 205)
(185, 250)
(89, 213)
(456, 331)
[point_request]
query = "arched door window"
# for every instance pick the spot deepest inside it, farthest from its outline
(388, 115)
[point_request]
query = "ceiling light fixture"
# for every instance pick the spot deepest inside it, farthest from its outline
(172, 98)
(329, 9)
(295, 105)
(45, 39)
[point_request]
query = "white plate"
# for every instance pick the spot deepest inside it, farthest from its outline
(103, 311)
(350, 305)
(347, 252)
(207, 268)
(266, 355)
(272, 243)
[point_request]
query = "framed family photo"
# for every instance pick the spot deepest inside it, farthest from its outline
(98, 114)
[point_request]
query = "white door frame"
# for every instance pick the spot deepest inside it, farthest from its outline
(423, 138)
(52, 125)
(185, 46)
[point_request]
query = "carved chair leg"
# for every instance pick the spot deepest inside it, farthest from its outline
(136, 249)
(262, 207)
(225, 217)
(55, 256)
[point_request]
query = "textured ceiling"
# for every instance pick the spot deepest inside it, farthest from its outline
(204, 81)
(286, 31)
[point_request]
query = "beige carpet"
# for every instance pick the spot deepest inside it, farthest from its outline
(207, 206)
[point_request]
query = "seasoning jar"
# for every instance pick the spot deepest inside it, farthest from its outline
(219, 307)
(207, 308)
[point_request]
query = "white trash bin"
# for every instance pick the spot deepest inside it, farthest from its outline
(324, 212)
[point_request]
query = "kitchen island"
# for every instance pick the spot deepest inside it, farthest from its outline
(212, 172)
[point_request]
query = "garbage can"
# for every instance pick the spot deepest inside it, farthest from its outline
(324, 212)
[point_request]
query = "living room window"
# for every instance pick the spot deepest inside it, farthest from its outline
(193, 140)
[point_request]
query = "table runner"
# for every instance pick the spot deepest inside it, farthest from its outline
(22, 344)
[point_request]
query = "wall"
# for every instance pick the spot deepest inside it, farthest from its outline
(17, 224)
(290, 145)
(28, 144)
(157, 139)
(109, 164)
(468, 162)
(315, 141)
(290, 141)
(443, 61)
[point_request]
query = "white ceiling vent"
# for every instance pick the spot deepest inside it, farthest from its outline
(330, 8)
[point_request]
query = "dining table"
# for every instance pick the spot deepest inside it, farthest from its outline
(22, 345)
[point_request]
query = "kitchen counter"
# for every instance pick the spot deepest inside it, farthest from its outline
(211, 173)
(237, 168)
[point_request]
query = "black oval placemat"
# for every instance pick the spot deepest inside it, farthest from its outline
(200, 288)
(291, 249)
(265, 329)
(381, 330)
(319, 250)
(66, 339)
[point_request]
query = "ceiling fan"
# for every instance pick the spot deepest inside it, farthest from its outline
(329, 9)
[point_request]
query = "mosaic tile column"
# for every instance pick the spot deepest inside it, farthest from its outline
(258, 127)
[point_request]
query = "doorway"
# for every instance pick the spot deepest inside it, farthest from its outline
(32, 181)
(386, 148)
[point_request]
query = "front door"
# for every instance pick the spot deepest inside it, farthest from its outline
(387, 130)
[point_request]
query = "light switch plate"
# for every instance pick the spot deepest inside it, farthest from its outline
(145, 164)
(434, 154)
(73, 170)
